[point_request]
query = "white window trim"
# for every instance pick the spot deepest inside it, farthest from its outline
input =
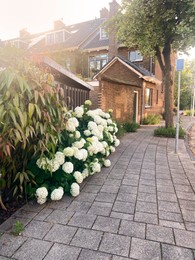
(141, 59)
(102, 38)
(54, 33)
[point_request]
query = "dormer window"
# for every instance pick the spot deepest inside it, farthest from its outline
(135, 56)
(103, 34)
(56, 37)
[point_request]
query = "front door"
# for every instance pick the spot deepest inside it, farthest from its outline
(135, 106)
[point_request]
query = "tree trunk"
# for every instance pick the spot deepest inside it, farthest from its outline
(168, 86)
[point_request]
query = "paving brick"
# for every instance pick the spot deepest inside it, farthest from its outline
(59, 216)
(186, 195)
(24, 213)
(146, 217)
(129, 181)
(128, 189)
(185, 238)
(167, 189)
(147, 182)
(161, 234)
(79, 206)
(93, 255)
(87, 238)
(115, 257)
(113, 182)
(143, 206)
(171, 224)
(177, 253)
(183, 188)
(107, 224)
(86, 196)
(37, 229)
(145, 250)
(190, 226)
(90, 188)
(43, 214)
(9, 244)
(61, 234)
(61, 252)
(169, 206)
(105, 197)
(124, 207)
(126, 197)
(33, 206)
(188, 215)
(170, 216)
(167, 197)
(121, 215)
(110, 188)
(147, 189)
(133, 229)
(187, 204)
(146, 197)
(115, 244)
(33, 249)
(82, 220)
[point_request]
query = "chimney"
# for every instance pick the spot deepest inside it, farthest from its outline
(104, 13)
(112, 45)
(58, 25)
(24, 33)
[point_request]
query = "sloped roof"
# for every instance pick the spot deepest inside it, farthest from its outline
(96, 43)
(67, 74)
(140, 71)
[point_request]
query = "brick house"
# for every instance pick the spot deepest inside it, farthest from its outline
(132, 92)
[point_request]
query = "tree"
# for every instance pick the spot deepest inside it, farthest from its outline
(186, 85)
(158, 27)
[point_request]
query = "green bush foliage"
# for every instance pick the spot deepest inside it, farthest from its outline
(188, 113)
(169, 132)
(130, 126)
(152, 119)
(31, 115)
(121, 130)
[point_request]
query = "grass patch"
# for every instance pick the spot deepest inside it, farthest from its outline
(169, 132)
(152, 119)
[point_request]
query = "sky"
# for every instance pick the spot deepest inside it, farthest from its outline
(38, 15)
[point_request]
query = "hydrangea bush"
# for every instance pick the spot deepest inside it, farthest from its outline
(89, 138)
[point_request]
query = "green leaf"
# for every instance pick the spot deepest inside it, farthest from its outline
(31, 109)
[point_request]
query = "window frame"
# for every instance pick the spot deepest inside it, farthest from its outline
(102, 33)
(136, 53)
(148, 101)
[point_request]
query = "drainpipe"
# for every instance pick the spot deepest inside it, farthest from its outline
(143, 101)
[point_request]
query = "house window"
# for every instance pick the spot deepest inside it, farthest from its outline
(59, 37)
(148, 97)
(135, 56)
(50, 39)
(96, 63)
(103, 34)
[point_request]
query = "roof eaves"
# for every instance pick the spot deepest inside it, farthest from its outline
(65, 72)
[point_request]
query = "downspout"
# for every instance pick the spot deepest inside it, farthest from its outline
(143, 101)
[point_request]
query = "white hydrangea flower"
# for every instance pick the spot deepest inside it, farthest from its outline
(68, 151)
(41, 193)
(107, 115)
(78, 154)
(74, 189)
(91, 113)
(42, 162)
(97, 119)
(92, 125)
(77, 135)
(41, 200)
(78, 144)
(117, 142)
(87, 132)
(78, 177)
(85, 154)
(112, 149)
(57, 194)
(79, 111)
(60, 158)
(109, 121)
(105, 144)
(68, 167)
(54, 165)
(111, 129)
(107, 153)
(70, 127)
(107, 163)
(96, 167)
(85, 173)
(100, 128)
(88, 102)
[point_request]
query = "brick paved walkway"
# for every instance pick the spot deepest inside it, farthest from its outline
(143, 207)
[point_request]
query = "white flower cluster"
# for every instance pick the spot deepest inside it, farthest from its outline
(74, 189)
(90, 139)
(57, 194)
(41, 195)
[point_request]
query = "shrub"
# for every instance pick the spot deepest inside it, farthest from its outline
(152, 119)
(121, 130)
(188, 113)
(169, 132)
(82, 149)
(130, 126)
(31, 114)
